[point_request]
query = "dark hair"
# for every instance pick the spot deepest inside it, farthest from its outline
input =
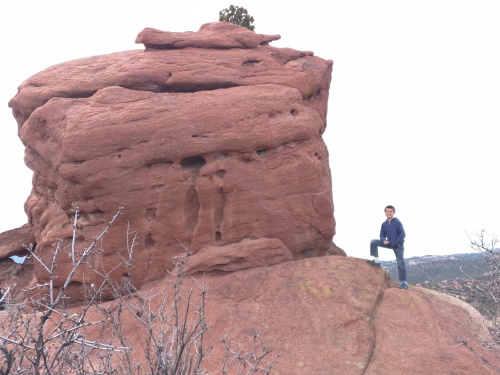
(391, 207)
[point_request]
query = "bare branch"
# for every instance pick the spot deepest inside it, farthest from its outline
(465, 343)
(77, 212)
(51, 338)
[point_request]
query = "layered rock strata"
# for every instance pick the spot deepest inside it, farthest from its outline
(207, 139)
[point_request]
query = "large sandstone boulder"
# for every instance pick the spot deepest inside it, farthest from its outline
(207, 139)
(340, 316)
(331, 316)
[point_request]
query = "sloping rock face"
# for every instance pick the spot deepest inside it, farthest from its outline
(207, 139)
(337, 315)
(333, 316)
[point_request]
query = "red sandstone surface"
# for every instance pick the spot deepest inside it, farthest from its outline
(334, 315)
(212, 143)
(205, 142)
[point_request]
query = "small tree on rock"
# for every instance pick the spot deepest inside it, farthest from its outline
(237, 15)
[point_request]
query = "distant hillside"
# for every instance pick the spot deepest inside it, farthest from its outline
(436, 268)
(464, 276)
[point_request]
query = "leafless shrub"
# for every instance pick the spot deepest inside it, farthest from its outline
(240, 362)
(47, 336)
(490, 286)
(491, 283)
(174, 324)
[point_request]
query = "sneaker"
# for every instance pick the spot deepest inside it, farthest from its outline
(403, 286)
(373, 263)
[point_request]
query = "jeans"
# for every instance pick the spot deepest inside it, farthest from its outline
(398, 251)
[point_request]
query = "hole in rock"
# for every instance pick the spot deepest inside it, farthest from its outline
(18, 259)
(252, 62)
(151, 214)
(262, 152)
(76, 287)
(316, 93)
(274, 113)
(218, 236)
(80, 239)
(193, 163)
(83, 94)
(155, 188)
(191, 209)
(149, 242)
(96, 216)
(195, 87)
(220, 173)
(294, 112)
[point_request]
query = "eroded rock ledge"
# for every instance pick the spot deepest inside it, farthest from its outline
(210, 35)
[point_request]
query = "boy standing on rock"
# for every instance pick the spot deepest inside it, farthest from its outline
(392, 236)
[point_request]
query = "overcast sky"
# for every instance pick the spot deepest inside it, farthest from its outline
(414, 109)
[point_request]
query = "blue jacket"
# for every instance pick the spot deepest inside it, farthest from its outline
(393, 232)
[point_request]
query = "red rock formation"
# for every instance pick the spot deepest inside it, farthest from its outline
(212, 143)
(334, 315)
(337, 315)
(207, 139)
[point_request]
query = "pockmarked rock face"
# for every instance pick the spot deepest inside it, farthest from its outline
(208, 139)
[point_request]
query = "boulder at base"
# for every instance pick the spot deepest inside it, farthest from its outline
(331, 316)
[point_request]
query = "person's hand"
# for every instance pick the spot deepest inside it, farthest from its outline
(386, 242)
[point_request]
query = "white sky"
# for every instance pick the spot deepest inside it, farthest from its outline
(414, 109)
